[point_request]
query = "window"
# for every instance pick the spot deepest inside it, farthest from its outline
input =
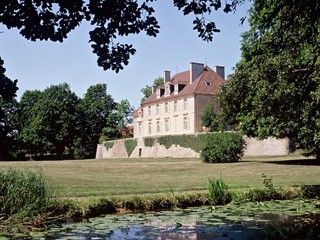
(158, 127)
(185, 123)
(140, 128)
(185, 104)
(166, 107)
(149, 111)
(175, 106)
(208, 83)
(176, 124)
(167, 90)
(158, 93)
(157, 109)
(150, 128)
(166, 124)
(176, 88)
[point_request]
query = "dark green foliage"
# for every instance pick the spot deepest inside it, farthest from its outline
(8, 106)
(102, 206)
(147, 91)
(54, 124)
(218, 191)
(130, 145)
(26, 125)
(108, 144)
(268, 193)
(96, 107)
(149, 141)
(210, 119)
(187, 141)
(309, 191)
(22, 192)
(275, 90)
(222, 147)
(8, 133)
(8, 88)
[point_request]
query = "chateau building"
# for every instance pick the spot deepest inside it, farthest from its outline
(175, 107)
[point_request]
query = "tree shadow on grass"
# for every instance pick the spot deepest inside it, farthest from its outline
(303, 162)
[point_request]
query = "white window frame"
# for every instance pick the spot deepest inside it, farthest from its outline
(158, 129)
(185, 122)
(166, 107)
(167, 125)
(176, 88)
(149, 111)
(175, 106)
(176, 124)
(185, 103)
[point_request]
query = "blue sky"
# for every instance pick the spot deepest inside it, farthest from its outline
(38, 65)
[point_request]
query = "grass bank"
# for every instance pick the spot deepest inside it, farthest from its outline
(114, 177)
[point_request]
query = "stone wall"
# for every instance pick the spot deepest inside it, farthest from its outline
(266, 147)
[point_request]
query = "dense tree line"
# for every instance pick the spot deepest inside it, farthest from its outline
(275, 90)
(56, 122)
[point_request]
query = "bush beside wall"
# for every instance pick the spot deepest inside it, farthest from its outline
(149, 141)
(108, 144)
(190, 146)
(222, 147)
(187, 141)
(130, 144)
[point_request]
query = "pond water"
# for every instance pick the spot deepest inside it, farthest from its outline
(299, 219)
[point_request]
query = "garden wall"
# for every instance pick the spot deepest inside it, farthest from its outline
(141, 147)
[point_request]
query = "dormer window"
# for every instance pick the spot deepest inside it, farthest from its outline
(167, 90)
(208, 83)
(176, 88)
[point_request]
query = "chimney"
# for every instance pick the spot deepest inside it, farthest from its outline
(220, 71)
(195, 70)
(154, 88)
(166, 76)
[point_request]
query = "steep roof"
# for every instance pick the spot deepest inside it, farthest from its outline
(208, 82)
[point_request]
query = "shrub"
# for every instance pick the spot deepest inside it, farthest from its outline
(222, 147)
(108, 145)
(22, 192)
(130, 145)
(268, 192)
(218, 191)
(149, 141)
(187, 141)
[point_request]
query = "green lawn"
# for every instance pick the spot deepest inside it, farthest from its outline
(79, 178)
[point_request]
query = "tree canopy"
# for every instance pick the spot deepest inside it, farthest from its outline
(57, 123)
(275, 90)
(147, 91)
(95, 109)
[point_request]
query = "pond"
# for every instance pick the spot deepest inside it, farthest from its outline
(291, 219)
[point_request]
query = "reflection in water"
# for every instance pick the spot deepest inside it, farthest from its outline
(306, 227)
(267, 220)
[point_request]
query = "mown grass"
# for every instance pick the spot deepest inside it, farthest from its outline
(114, 177)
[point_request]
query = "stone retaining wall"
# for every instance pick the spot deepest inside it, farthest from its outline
(266, 147)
